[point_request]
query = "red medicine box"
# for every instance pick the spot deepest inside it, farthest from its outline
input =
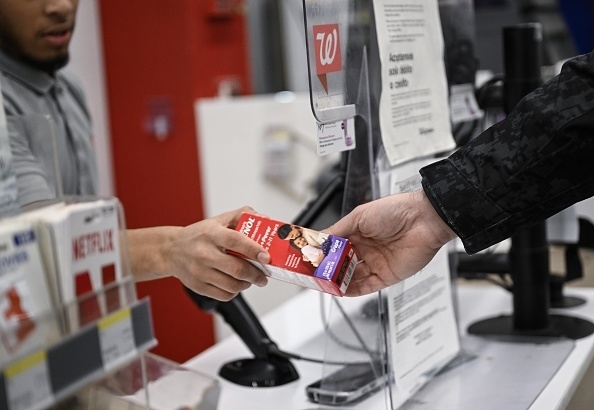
(302, 256)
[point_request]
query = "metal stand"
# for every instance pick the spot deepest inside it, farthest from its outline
(529, 258)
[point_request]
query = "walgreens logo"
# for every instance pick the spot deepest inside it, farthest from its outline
(327, 51)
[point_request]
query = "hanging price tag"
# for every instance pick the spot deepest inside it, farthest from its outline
(336, 137)
(116, 337)
(28, 383)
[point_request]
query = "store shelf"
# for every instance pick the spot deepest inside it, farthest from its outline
(48, 375)
(70, 313)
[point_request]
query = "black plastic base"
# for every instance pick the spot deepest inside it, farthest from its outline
(259, 372)
(559, 326)
(558, 298)
(567, 302)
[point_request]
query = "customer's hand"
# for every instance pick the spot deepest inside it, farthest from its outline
(395, 236)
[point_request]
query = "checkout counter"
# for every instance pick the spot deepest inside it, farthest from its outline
(490, 374)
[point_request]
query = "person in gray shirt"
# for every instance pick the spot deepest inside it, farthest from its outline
(47, 114)
(45, 108)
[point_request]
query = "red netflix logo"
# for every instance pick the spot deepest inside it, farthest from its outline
(327, 51)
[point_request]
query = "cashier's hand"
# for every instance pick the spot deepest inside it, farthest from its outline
(196, 255)
(395, 236)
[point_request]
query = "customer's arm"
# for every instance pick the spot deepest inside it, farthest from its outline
(526, 168)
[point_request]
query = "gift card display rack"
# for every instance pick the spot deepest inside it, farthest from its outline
(73, 334)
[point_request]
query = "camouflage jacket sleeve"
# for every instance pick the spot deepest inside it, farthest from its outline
(535, 163)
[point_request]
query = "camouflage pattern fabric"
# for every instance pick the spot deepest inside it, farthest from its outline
(535, 163)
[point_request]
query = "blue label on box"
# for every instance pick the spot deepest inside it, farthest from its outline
(333, 250)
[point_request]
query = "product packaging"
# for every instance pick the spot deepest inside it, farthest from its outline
(302, 256)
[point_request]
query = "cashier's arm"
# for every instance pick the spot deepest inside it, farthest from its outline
(197, 255)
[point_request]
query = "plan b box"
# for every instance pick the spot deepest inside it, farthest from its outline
(301, 256)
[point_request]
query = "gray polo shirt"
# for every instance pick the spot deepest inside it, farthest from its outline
(39, 106)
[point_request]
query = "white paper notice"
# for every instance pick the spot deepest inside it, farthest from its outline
(414, 111)
(423, 329)
(406, 177)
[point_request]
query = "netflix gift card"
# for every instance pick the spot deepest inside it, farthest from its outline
(85, 257)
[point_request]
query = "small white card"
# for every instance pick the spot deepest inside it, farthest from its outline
(463, 104)
(116, 337)
(28, 383)
(336, 137)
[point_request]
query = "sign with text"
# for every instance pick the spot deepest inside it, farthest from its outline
(423, 333)
(414, 109)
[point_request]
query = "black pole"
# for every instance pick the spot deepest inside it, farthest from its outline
(529, 270)
(522, 54)
(529, 253)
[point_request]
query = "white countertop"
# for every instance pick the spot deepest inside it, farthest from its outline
(297, 322)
